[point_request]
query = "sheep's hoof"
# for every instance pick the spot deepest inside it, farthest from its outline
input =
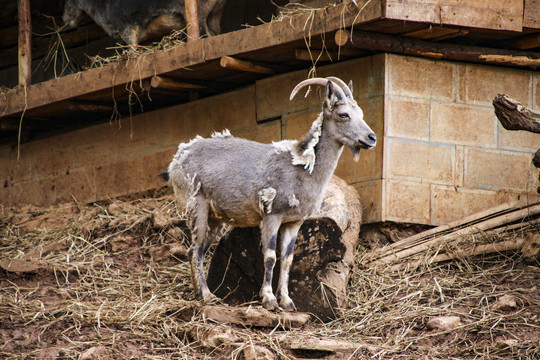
(270, 303)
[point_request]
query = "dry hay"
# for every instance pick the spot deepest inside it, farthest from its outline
(111, 285)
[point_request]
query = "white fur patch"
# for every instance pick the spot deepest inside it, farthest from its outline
(307, 157)
(266, 198)
(221, 135)
(293, 201)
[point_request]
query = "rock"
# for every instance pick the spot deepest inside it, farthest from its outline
(444, 323)
(122, 242)
(323, 258)
(166, 251)
(23, 266)
(502, 343)
(213, 336)
(531, 248)
(256, 352)
(95, 352)
(507, 302)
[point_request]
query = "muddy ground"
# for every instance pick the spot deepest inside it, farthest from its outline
(110, 280)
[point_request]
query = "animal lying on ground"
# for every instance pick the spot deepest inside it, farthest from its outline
(137, 21)
(228, 180)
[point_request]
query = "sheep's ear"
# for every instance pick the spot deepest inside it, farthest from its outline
(331, 94)
(350, 87)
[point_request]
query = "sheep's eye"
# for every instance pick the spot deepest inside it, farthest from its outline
(344, 116)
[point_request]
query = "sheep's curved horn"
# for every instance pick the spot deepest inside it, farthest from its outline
(315, 81)
(343, 86)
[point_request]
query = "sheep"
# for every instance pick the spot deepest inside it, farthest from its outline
(229, 180)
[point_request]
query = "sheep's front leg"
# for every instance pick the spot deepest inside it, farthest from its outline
(269, 232)
(289, 232)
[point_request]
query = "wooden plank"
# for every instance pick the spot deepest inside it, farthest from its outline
(228, 62)
(25, 43)
(527, 42)
(432, 50)
(488, 14)
(186, 55)
(531, 14)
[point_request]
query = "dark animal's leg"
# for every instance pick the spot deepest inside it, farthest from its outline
(269, 232)
(289, 233)
(197, 212)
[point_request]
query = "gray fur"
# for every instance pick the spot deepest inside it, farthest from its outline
(276, 186)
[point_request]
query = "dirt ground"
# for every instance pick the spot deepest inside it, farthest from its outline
(110, 281)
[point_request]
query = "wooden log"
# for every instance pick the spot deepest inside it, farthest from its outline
(327, 345)
(192, 19)
(25, 43)
(514, 116)
(229, 62)
(254, 316)
(324, 257)
(415, 47)
(162, 82)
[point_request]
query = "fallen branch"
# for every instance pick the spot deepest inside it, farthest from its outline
(514, 116)
(254, 316)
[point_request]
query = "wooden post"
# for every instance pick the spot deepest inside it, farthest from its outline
(25, 43)
(192, 20)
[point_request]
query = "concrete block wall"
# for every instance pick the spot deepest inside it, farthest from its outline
(445, 153)
(441, 153)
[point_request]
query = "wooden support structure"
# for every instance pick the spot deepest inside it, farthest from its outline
(165, 83)
(323, 55)
(192, 19)
(229, 62)
(25, 43)
(415, 47)
(514, 116)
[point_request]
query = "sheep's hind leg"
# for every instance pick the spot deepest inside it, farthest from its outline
(269, 231)
(289, 232)
(201, 241)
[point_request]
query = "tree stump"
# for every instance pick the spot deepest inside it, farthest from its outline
(323, 258)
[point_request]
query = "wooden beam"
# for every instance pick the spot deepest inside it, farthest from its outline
(161, 82)
(188, 55)
(514, 116)
(86, 106)
(324, 55)
(415, 47)
(229, 62)
(192, 19)
(527, 42)
(25, 43)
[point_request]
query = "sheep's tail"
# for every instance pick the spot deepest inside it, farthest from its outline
(164, 175)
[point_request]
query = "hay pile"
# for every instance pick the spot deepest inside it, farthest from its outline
(111, 280)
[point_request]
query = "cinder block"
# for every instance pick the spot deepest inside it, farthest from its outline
(421, 78)
(78, 184)
(419, 160)
(494, 170)
(464, 125)
(536, 90)
(139, 135)
(95, 145)
(407, 201)
(265, 132)
(370, 193)
(459, 165)
(234, 110)
(120, 178)
(450, 203)
(39, 192)
(480, 84)
(407, 118)
(367, 74)
(272, 95)
(518, 140)
(52, 155)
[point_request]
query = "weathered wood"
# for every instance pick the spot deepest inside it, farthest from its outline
(449, 238)
(527, 42)
(531, 248)
(192, 20)
(493, 14)
(229, 62)
(437, 33)
(531, 14)
(254, 316)
(330, 345)
(415, 47)
(161, 82)
(73, 105)
(25, 43)
(324, 257)
(197, 52)
(514, 116)
(323, 55)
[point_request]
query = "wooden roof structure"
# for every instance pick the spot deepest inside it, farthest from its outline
(497, 31)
